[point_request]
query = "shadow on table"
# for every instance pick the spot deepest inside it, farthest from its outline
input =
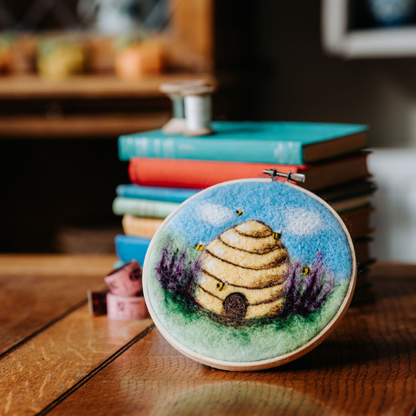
(237, 398)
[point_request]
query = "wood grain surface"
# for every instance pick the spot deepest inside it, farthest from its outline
(50, 364)
(75, 364)
(36, 290)
(366, 367)
(55, 265)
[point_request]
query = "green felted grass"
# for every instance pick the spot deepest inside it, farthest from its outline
(263, 339)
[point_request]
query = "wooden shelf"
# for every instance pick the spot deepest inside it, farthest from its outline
(85, 88)
(88, 86)
(97, 126)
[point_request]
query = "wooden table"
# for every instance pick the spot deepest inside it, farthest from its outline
(56, 359)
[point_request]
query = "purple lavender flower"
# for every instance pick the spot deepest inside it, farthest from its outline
(177, 274)
(306, 294)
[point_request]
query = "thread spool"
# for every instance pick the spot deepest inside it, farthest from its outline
(177, 124)
(198, 109)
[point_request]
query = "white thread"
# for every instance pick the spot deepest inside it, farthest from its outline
(198, 112)
(177, 124)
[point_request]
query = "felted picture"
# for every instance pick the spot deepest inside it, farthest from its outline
(248, 271)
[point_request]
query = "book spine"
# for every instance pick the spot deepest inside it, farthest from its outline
(140, 227)
(143, 207)
(252, 151)
(195, 174)
(156, 194)
(131, 248)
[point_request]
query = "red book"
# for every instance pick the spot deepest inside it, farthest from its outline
(199, 174)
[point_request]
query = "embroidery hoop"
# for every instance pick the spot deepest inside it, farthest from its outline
(272, 362)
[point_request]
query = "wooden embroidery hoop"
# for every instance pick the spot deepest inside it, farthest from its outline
(272, 362)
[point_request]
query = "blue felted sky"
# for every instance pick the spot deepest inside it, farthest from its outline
(305, 224)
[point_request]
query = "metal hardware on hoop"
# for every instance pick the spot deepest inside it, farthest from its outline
(297, 177)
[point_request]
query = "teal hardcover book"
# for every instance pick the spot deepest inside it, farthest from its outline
(256, 142)
(155, 193)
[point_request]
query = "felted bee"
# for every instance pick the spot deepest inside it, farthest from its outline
(306, 270)
(239, 212)
(199, 247)
(243, 272)
(221, 285)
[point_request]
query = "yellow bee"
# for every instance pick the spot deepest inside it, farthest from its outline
(221, 285)
(239, 212)
(276, 236)
(199, 247)
(306, 271)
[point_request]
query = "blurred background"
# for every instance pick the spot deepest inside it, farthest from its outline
(75, 74)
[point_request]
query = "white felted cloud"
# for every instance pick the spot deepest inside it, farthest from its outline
(302, 222)
(215, 214)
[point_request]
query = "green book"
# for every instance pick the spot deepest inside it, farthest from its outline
(143, 207)
(255, 142)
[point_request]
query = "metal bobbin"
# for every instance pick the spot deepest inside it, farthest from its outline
(296, 177)
(198, 109)
(177, 124)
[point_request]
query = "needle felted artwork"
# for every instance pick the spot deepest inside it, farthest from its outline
(249, 274)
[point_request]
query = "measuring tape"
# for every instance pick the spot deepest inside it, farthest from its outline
(122, 302)
(125, 281)
(125, 308)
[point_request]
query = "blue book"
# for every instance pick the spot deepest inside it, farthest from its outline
(255, 142)
(117, 264)
(155, 193)
(131, 248)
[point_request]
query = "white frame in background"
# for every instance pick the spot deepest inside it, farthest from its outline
(355, 44)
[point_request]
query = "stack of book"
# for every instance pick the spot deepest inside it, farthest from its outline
(166, 170)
